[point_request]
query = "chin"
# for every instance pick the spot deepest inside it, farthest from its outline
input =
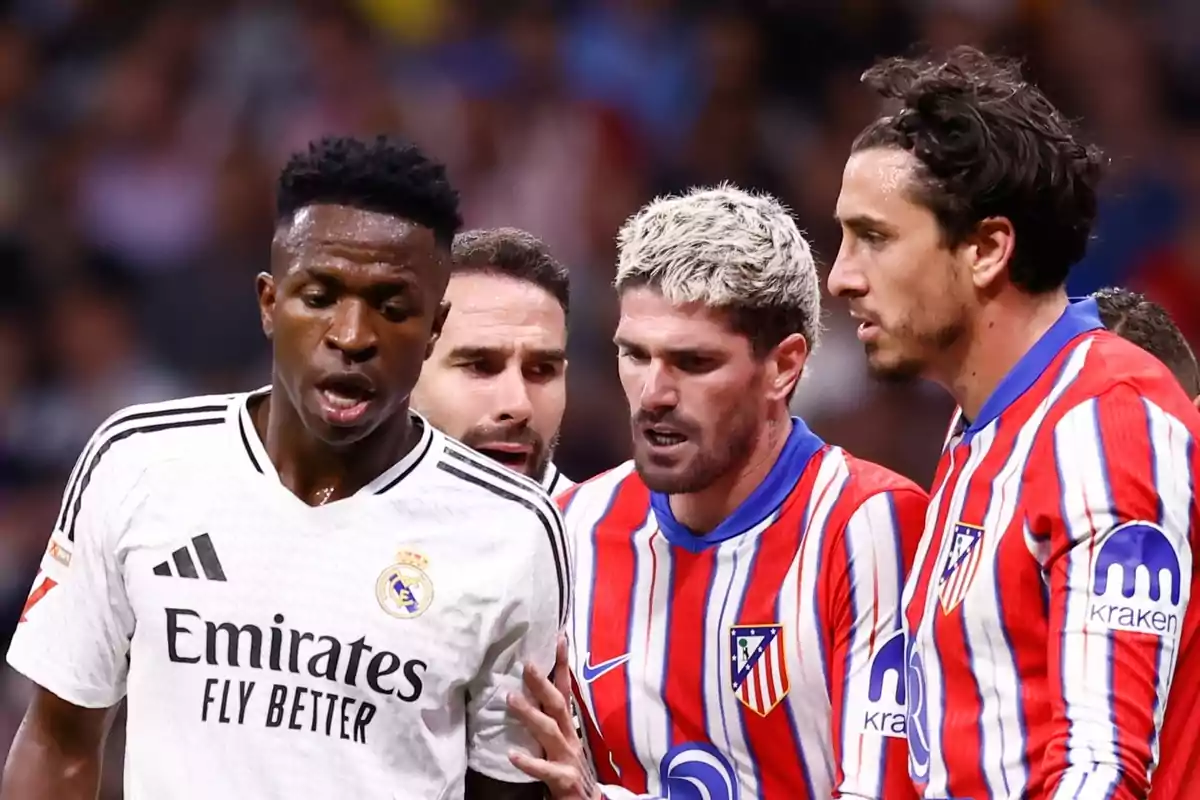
(665, 481)
(676, 479)
(341, 435)
(892, 368)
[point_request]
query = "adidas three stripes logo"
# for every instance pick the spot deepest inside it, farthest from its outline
(185, 565)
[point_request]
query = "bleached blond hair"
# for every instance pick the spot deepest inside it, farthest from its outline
(727, 249)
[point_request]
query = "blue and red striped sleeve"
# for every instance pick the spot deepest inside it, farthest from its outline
(1116, 499)
(868, 562)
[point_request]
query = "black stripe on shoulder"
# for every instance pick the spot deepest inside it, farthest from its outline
(246, 444)
(507, 476)
(555, 478)
(121, 418)
(504, 475)
(550, 523)
(494, 470)
(425, 447)
(146, 422)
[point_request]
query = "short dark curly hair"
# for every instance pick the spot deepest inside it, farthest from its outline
(515, 253)
(1144, 322)
(991, 145)
(385, 175)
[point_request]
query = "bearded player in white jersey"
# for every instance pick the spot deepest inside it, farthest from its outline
(497, 377)
(305, 591)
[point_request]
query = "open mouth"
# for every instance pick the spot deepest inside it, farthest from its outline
(511, 456)
(661, 437)
(867, 331)
(345, 398)
(867, 327)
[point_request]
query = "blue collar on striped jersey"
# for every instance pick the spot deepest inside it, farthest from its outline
(802, 444)
(1081, 316)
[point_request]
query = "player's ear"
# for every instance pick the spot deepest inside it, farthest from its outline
(785, 364)
(1197, 402)
(988, 249)
(439, 322)
(264, 285)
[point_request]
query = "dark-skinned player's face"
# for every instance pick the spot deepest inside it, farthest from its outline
(353, 306)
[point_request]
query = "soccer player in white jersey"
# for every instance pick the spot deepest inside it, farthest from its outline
(496, 379)
(736, 630)
(305, 591)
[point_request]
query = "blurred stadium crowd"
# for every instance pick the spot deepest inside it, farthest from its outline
(139, 141)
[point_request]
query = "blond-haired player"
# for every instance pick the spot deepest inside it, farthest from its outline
(736, 629)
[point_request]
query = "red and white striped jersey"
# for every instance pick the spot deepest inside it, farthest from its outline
(1047, 614)
(761, 660)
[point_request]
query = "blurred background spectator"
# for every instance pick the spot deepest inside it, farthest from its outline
(139, 141)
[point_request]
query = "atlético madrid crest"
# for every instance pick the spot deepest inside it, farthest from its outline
(962, 561)
(758, 669)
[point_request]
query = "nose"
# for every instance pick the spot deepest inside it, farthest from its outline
(512, 401)
(845, 278)
(350, 331)
(659, 390)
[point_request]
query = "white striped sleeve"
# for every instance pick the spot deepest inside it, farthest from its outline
(1119, 567)
(867, 658)
(74, 633)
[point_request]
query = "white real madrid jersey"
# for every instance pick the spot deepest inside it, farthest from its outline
(267, 648)
(554, 482)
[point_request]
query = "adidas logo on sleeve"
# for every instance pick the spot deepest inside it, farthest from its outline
(185, 564)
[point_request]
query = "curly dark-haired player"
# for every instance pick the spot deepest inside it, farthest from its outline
(306, 590)
(1133, 316)
(1047, 613)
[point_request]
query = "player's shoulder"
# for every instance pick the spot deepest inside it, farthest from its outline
(866, 479)
(474, 484)
(1110, 361)
(1122, 376)
(140, 435)
(554, 481)
(514, 514)
(588, 501)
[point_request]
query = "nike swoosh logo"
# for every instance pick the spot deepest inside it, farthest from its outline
(592, 672)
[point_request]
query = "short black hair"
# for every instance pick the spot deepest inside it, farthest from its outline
(386, 175)
(990, 144)
(1144, 322)
(515, 253)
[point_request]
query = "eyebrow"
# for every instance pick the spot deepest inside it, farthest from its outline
(862, 221)
(700, 350)
(554, 354)
(329, 275)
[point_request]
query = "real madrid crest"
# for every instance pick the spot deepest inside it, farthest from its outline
(404, 589)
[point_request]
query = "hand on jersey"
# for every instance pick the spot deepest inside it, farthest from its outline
(565, 768)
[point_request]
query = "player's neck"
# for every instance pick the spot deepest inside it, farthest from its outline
(1004, 331)
(313, 470)
(704, 510)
